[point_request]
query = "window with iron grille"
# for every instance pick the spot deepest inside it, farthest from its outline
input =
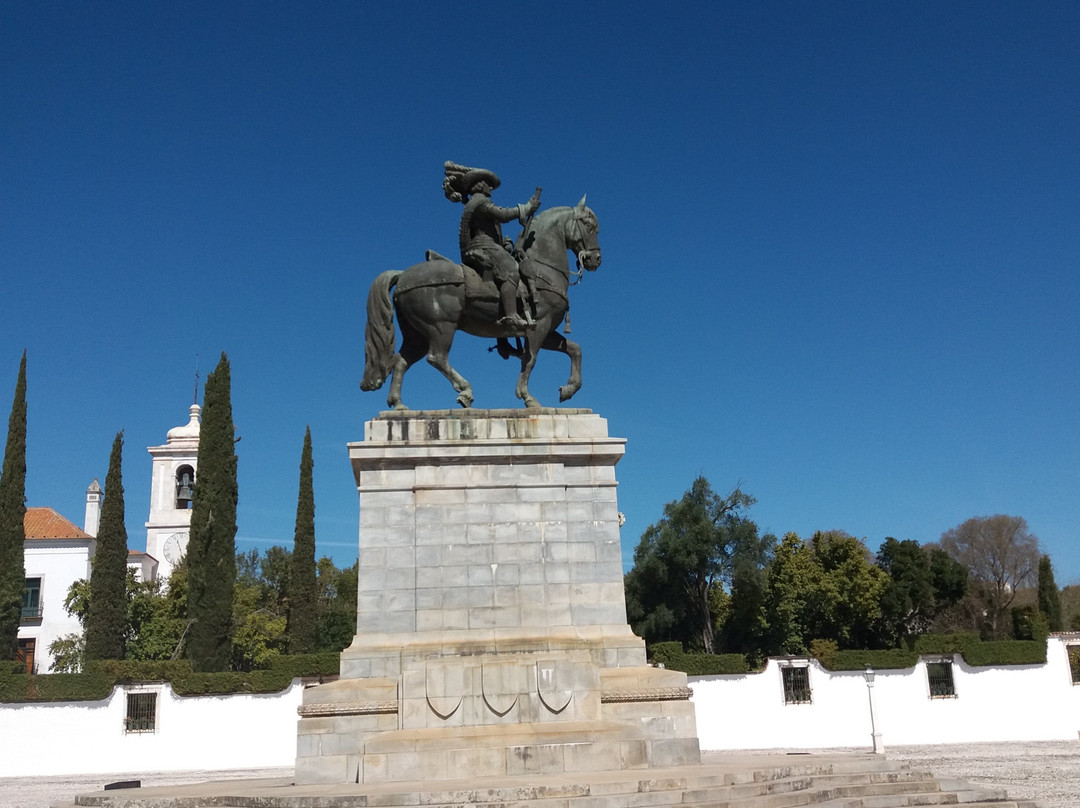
(796, 684)
(1074, 663)
(141, 712)
(939, 676)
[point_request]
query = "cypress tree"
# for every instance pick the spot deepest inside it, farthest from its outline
(12, 527)
(211, 552)
(301, 588)
(1048, 595)
(106, 623)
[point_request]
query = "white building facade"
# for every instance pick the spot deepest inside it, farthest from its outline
(56, 553)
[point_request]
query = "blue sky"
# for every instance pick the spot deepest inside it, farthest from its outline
(840, 242)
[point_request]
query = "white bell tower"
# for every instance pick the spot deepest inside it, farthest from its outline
(171, 488)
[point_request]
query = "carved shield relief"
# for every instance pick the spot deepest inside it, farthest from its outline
(445, 684)
(503, 684)
(555, 684)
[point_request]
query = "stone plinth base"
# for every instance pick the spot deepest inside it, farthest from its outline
(492, 634)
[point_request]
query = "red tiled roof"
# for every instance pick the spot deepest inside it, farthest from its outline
(45, 523)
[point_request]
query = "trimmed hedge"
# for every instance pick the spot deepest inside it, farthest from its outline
(975, 652)
(54, 687)
(888, 659)
(97, 683)
(671, 655)
(979, 653)
(1005, 652)
(944, 643)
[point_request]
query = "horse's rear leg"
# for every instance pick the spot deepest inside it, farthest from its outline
(557, 342)
(413, 346)
(438, 356)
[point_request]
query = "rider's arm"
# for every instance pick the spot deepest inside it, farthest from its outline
(499, 214)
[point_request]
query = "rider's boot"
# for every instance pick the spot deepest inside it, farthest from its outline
(508, 299)
(526, 307)
(530, 300)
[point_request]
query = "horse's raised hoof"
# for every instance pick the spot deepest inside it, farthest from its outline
(566, 392)
(465, 399)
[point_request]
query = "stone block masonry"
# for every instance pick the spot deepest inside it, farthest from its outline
(490, 601)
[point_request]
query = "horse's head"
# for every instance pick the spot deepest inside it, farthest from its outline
(581, 234)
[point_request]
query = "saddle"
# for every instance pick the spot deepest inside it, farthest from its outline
(438, 270)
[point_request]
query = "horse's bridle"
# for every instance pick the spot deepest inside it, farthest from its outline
(582, 255)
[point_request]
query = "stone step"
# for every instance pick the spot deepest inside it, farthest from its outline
(818, 781)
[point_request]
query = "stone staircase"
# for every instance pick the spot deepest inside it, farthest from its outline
(761, 781)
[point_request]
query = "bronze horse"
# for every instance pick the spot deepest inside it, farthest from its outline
(435, 299)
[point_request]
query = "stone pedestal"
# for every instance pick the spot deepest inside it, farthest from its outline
(491, 622)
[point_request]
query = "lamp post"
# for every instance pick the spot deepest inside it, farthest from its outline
(879, 747)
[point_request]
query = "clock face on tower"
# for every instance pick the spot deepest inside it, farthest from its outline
(173, 549)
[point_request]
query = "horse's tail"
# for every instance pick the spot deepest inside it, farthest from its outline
(379, 334)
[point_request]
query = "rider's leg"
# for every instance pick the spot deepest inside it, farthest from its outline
(530, 299)
(508, 298)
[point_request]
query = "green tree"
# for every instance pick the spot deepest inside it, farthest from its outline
(211, 549)
(907, 602)
(12, 516)
(155, 623)
(824, 589)
(157, 616)
(1001, 555)
(259, 634)
(260, 603)
(68, 653)
(1049, 597)
(336, 625)
(950, 579)
(1070, 607)
(792, 581)
(745, 629)
(106, 625)
(849, 601)
(923, 581)
(681, 559)
(302, 584)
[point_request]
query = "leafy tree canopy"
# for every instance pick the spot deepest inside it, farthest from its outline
(683, 558)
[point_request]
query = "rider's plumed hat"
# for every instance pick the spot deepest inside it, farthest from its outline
(460, 180)
(475, 175)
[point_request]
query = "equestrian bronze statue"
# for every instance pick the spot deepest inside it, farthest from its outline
(485, 295)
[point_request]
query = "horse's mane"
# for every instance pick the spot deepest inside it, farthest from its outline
(546, 213)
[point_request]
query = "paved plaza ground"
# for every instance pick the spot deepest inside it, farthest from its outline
(1048, 771)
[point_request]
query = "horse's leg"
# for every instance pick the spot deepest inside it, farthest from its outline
(413, 346)
(557, 342)
(528, 360)
(533, 341)
(440, 338)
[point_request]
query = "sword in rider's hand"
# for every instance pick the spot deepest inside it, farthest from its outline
(529, 218)
(529, 282)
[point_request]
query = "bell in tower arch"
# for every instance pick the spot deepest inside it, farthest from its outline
(184, 487)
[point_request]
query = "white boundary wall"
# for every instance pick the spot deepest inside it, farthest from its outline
(746, 711)
(992, 703)
(193, 732)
